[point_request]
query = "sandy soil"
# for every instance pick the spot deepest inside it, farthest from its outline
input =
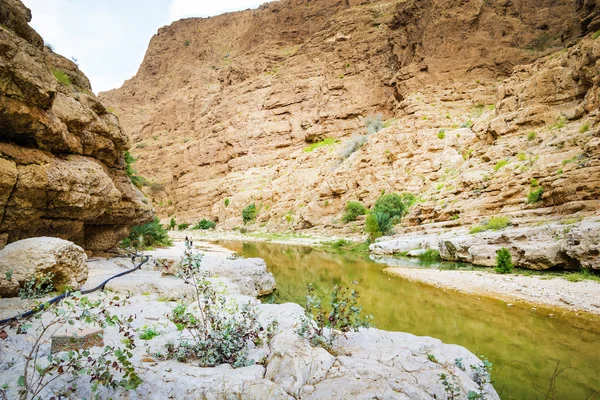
(583, 296)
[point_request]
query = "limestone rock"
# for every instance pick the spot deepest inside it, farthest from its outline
(62, 171)
(250, 274)
(583, 244)
(31, 257)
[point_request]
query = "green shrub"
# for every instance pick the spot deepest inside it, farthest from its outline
(430, 255)
(353, 210)
(322, 327)
(584, 128)
(172, 223)
(504, 263)
(186, 42)
(205, 224)
(596, 35)
(522, 156)
(148, 333)
(37, 286)
(534, 183)
(494, 223)
(226, 202)
(249, 213)
(394, 205)
(441, 134)
(137, 180)
(151, 234)
(183, 227)
(500, 164)
(325, 142)
(535, 195)
(531, 136)
(61, 77)
(378, 224)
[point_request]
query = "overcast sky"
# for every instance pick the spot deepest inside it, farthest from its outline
(109, 37)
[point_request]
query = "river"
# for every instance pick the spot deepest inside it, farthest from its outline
(526, 347)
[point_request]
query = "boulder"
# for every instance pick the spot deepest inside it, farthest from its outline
(250, 274)
(583, 244)
(26, 258)
(404, 244)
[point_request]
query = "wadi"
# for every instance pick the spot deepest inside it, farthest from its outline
(312, 199)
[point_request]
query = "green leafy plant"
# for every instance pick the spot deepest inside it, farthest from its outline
(535, 195)
(531, 136)
(152, 234)
(482, 379)
(186, 42)
(353, 210)
(226, 202)
(54, 375)
(451, 387)
(441, 134)
(183, 227)
(220, 330)
(534, 183)
(148, 333)
(172, 223)
(584, 128)
(61, 77)
(378, 224)
(395, 205)
(494, 223)
(500, 164)
(37, 286)
(249, 213)
(504, 263)
(430, 255)
(323, 326)
(205, 224)
(137, 180)
(9, 274)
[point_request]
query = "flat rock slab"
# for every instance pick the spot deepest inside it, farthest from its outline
(77, 339)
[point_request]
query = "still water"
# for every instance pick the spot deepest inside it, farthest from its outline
(526, 347)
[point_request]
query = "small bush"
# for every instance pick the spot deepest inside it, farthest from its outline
(522, 156)
(61, 77)
(531, 136)
(186, 43)
(205, 224)
(441, 134)
(374, 124)
(226, 202)
(500, 164)
(352, 145)
(534, 183)
(183, 227)
(504, 263)
(151, 234)
(172, 223)
(322, 327)
(37, 286)
(430, 255)
(249, 213)
(584, 128)
(325, 142)
(353, 210)
(378, 224)
(535, 195)
(596, 35)
(137, 180)
(394, 205)
(148, 333)
(494, 223)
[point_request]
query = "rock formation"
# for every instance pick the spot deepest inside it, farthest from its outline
(477, 99)
(29, 258)
(62, 169)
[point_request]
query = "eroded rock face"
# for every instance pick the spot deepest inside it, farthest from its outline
(33, 257)
(228, 104)
(62, 171)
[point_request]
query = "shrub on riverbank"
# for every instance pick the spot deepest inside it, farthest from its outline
(430, 255)
(494, 223)
(249, 213)
(378, 224)
(353, 210)
(151, 234)
(183, 227)
(205, 224)
(504, 264)
(395, 205)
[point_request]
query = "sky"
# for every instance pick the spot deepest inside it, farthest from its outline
(109, 38)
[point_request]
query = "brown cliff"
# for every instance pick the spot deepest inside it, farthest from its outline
(225, 107)
(62, 168)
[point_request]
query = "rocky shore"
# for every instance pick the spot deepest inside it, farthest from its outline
(369, 363)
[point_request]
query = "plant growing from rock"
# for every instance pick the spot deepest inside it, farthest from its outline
(172, 223)
(504, 264)
(55, 375)
(395, 205)
(482, 378)
(378, 224)
(183, 227)
(151, 234)
(37, 286)
(535, 195)
(221, 329)
(322, 327)
(137, 180)
(249, 213)
(353, 210)
(451, 388)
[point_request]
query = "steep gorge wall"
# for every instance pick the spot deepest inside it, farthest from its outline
(224, 107)
(62, 170)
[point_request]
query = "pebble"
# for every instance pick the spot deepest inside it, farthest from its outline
(509, 305)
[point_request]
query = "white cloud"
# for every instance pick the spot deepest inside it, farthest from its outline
(206, 8)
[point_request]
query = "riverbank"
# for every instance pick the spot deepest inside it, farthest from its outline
(580, 298)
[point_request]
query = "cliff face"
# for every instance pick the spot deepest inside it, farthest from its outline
(62, 170)
(477, 98)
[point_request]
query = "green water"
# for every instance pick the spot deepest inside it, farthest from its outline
(524, 346)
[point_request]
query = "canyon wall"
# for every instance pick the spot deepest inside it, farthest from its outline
(300, 106)
(62, 167)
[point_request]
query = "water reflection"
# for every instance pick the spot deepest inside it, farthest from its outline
(531, 340)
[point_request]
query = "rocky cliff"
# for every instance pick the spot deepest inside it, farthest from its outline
(62, 167)
(300, 106)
